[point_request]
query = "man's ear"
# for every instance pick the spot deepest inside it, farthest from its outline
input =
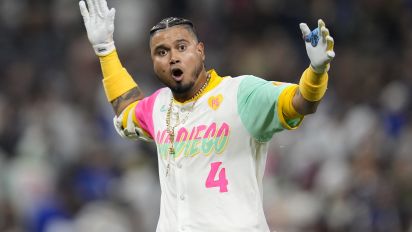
(200, 48)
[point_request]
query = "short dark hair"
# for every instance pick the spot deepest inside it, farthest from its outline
(171, 22)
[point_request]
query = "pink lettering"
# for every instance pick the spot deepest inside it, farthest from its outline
(199, 129)
(215, 102)
(182, 135)
(158, 137)
(224, 129)
(210, 132)
(192, 133)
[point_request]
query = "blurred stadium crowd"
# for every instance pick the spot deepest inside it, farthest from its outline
(64, 169)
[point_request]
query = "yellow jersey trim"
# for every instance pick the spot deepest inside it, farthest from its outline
(215, 80)
(284, 103)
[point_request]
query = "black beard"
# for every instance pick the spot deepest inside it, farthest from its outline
(180, 88)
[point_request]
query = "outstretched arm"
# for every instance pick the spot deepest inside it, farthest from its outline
(120, 88)
(313, 83)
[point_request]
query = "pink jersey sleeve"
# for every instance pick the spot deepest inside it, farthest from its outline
(144, 113)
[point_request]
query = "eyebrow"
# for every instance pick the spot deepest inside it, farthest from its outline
(181, 40)
(162, 46)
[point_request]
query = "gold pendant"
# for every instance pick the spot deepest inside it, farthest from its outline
(171, 151)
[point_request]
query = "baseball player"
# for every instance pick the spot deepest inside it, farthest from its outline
(211, 132)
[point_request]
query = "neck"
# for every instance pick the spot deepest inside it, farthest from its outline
(200, 82)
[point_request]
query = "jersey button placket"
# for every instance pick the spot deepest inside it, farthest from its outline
(181, 194)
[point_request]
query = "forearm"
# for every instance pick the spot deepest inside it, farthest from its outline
(120, 103)
(303, 106)
(119, 86)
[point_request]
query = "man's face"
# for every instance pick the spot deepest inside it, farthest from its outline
(177, 58)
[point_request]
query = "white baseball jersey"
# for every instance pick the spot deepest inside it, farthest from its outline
(215, 178)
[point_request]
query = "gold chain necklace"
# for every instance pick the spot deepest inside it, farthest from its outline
(171, 129)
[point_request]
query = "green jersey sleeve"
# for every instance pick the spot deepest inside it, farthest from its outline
(257, 103)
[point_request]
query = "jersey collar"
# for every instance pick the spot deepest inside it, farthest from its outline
(215, 80)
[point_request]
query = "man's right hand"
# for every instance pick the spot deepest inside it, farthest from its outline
(99, 22)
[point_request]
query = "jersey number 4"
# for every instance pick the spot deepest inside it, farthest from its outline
(221, 182)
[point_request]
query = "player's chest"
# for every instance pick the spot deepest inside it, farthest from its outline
(200, 128)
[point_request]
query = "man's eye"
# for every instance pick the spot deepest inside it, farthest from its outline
(182, 47)
(162, 52)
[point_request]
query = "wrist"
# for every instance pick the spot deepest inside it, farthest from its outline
(104, 49)
(110, 64)
(116, 79)
(319, 69)
(313, 85)
(117, 85)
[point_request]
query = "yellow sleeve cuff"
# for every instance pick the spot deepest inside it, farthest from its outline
(286, 111)
(116, 79)
(129, 108)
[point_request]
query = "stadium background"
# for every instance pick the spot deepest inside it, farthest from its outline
(63, 168)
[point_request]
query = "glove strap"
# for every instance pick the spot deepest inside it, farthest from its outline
(104, 49)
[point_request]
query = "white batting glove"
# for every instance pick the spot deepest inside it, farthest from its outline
(319, 46)
(99, 22)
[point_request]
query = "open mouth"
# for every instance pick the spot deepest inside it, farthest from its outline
(177, 74)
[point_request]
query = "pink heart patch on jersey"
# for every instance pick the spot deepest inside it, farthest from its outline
(215, 101)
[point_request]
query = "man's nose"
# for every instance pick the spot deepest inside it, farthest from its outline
(174, 59)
